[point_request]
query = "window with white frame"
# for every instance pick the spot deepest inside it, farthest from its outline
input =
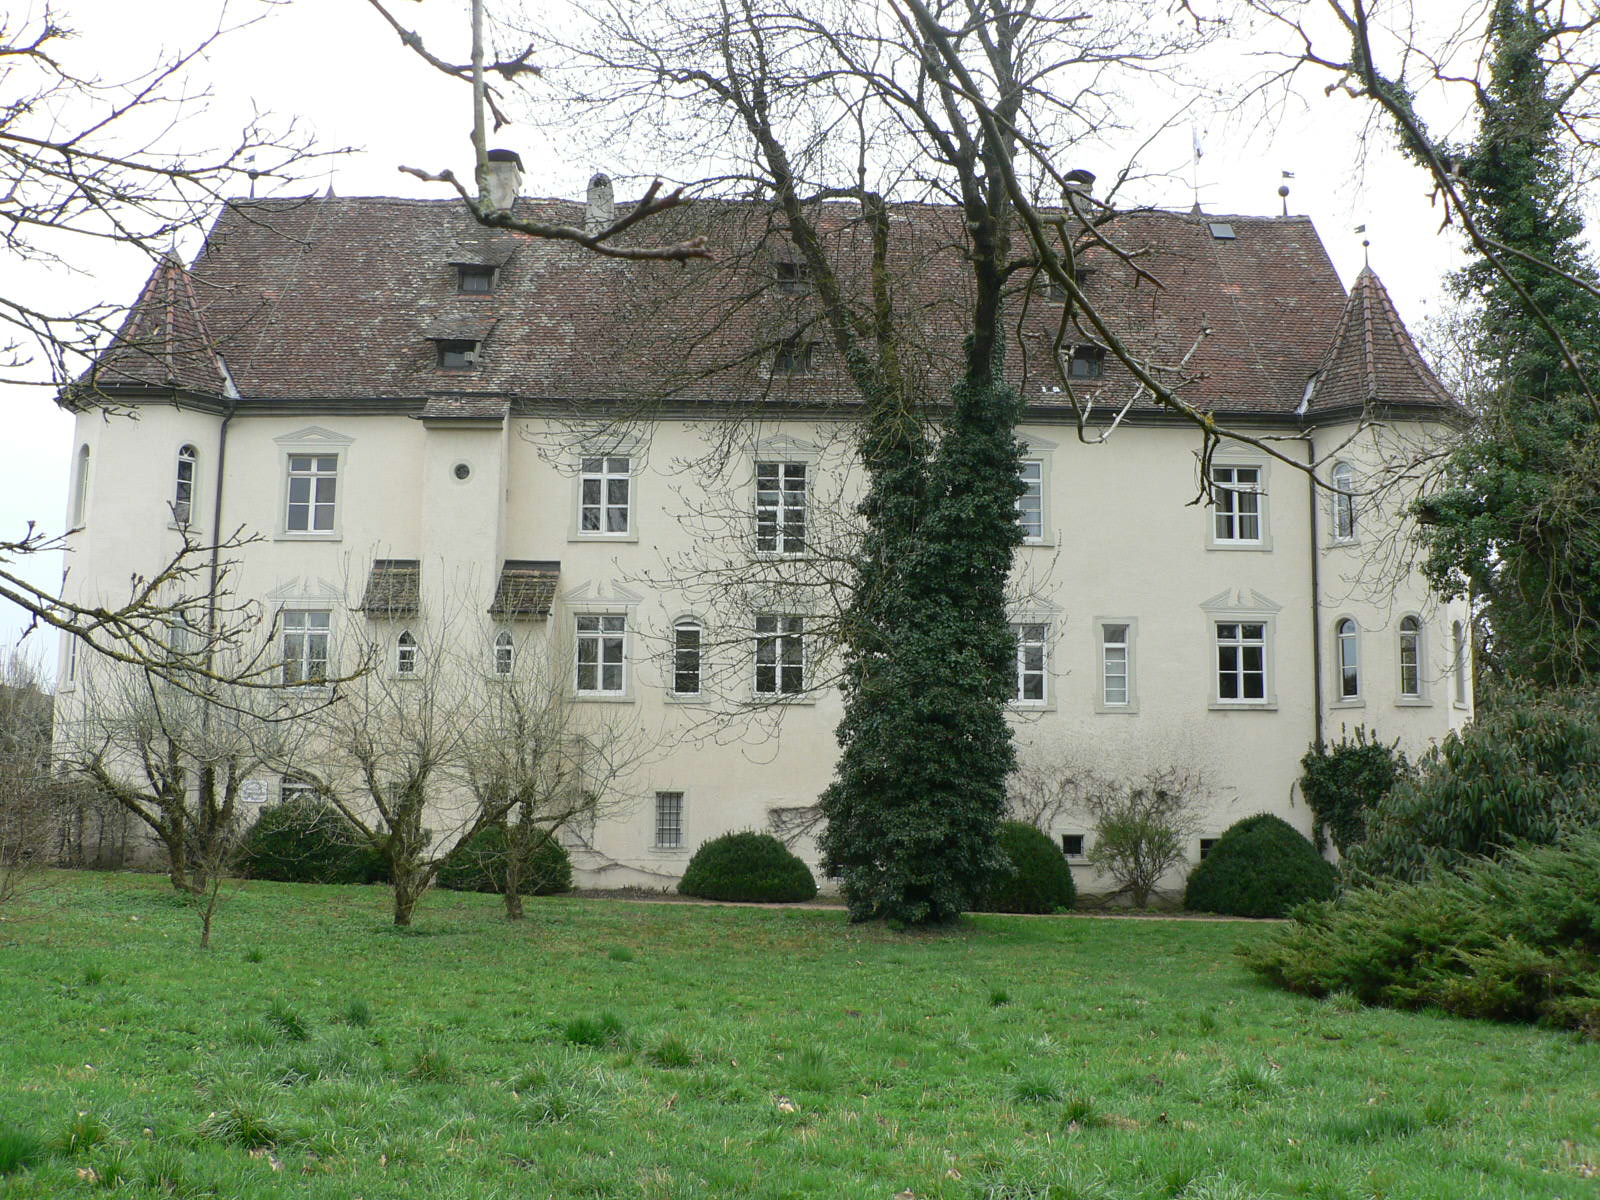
(686, 639)
(313, 493)
(1030, 505)
(1236, 505)
(1458, 661)
(1347, 644)
(1241, 662)
(605, 493)
(504, 653)
(781, 507)
(780, 656)
(1116, 665)
(405, 654)
(1343, 478)
(183, 494)
(80, 487)
(602, 647)
(1410, 658)
(72, 658)
(305, 634)
(669, 820)
(1032, 640)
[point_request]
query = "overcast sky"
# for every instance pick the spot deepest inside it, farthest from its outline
(342, 74)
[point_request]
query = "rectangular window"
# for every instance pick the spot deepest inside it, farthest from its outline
(183, 493)
(1241, 661)
(313, 490)
(781, 507)
(1030, 505)
(604, 495)
(601, 643)
(1115, 663)
(294, 790)
(669, 820)
(1205, 847)
(1030, 663)
(457, 354)
(780, 656)
(305, 644)
(793, 278)
(1087, 362)
(686, 659)
(1072, 845)
(473, 280)
(1237, 503)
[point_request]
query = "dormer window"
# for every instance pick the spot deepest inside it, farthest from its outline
(1087, 362)
(474, 280)
(1056, 291)
(793, 357)
(457, 354)
(793, 278)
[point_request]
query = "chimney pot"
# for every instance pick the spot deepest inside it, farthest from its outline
(601, 211)
(1079, 181)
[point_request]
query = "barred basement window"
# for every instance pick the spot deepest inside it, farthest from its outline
(669, 820)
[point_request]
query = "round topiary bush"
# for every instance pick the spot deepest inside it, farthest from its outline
(308, 841)
(747, 866)
(1260, 867)
(1039, 879)
(479, 865)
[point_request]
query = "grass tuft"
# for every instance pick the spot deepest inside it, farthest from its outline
(83, 1131)
(670, 1052)
(999, 997)
(620, 954)
(288, 1021)
(240, 1117)
(255, 955)
(811, 1070)
(358, 1013)
(434, 1062)
(1374, 1124)
(18, 1151)
(602, 1030)
(1079, 1111)
(92, 976)
(1035, 1089)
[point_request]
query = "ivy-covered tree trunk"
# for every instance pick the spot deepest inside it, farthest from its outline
(915, 806)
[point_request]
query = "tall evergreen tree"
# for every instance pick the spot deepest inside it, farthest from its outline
(1517, 525)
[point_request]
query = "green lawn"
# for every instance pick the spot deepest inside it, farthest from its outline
(609, 1049)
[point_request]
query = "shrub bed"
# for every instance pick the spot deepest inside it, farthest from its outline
(1039, 878)
(308, 841)
(479, 865)
(747, 866)
(1260, 867)
(1515, 940)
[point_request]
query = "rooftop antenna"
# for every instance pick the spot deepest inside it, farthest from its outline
(1194, 167)
(1283, 191)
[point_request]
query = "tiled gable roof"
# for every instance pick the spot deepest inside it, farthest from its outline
(335, 299)
(1372, 359)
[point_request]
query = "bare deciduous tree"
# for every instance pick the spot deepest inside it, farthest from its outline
(28, 793)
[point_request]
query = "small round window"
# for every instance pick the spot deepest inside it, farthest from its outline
(462, 471)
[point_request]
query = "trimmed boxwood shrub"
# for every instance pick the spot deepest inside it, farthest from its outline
(308, 841)
(1039, 878)
(747, 866)
(1260, 867)
(479, 865)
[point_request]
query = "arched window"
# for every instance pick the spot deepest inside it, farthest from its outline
(183, 488)
(1458, 661)
(686, 638)
(80, 488)
(1344, 504)
(1349, 659)
(1410, 658)
(504, 653)
(405, 654)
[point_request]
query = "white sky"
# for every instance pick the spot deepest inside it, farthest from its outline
(336, 68)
